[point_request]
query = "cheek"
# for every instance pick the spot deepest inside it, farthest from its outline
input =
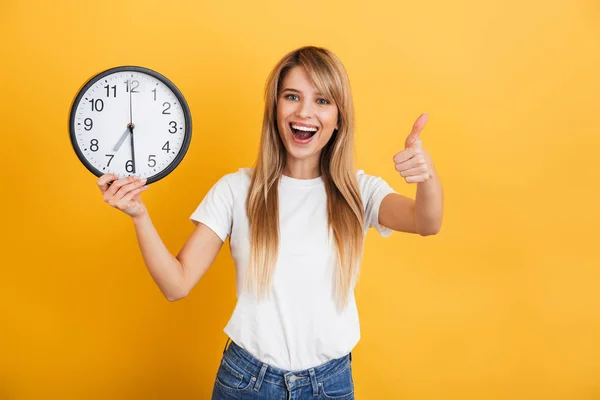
(324, 139)
(283, 112)
(329, 120)
(280, 115)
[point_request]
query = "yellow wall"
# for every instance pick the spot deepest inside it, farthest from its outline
(503, 304)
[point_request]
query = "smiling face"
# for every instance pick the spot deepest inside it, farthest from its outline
(306, 119)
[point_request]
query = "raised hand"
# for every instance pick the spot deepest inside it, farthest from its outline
(414, 163)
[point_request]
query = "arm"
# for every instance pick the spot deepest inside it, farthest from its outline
(176, 276)
(429, 205)
(424, 214)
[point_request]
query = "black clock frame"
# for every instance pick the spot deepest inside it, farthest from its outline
(186, 114)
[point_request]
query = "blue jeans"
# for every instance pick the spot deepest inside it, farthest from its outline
(243, 377)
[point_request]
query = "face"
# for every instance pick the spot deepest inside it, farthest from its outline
(306, 118)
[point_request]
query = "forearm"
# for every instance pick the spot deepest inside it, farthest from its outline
(429, 204)
(164, 268)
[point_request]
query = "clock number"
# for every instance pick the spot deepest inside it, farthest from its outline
(173, 128)
(97, 105)
(152, 160)
(114, 88)
(129, 164)
(89, 124)
(168, 107)
(134, 85)
(111, 157)
(167, 147)
(94, 145)
(154, 90)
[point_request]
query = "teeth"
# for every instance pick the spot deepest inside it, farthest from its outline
(304, 128)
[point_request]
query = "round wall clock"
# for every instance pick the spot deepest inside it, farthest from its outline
(130, 121)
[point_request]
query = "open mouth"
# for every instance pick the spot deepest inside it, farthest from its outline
(301, 132)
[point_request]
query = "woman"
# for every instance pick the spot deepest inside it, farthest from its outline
(296, 223)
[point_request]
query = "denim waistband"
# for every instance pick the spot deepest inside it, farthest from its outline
(283, 378)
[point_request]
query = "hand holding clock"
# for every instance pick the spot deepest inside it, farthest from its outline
(123, 194)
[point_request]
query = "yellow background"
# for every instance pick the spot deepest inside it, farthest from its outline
(502, 304)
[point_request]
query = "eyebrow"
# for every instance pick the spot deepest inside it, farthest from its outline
(297, 91)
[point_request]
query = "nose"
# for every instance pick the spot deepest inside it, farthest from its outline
(304, 109)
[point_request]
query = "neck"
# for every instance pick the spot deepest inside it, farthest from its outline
(302, 169)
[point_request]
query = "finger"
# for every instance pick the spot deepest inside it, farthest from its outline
(418, 170)
(105, 180)
(404, 155)
(418, 178)
(119, 189)
(416, 161)
(125, 189)
(128, 200)
(418, 126)
(118, 184)
(417, 145)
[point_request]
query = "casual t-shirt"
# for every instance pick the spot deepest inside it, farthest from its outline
(298, 326)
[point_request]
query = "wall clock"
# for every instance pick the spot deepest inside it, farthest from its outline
(130, 120)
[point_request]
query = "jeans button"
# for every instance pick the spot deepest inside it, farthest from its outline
(293, 378)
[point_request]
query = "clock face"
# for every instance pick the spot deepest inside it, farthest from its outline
(130, 121)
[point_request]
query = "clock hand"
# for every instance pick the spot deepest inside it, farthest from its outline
(131, 126)
(132, 149)
(130, 110)
(121, 140)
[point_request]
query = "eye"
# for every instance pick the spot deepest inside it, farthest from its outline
(323, 101)
(291, 97)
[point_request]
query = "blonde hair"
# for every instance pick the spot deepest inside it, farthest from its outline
(344, 204)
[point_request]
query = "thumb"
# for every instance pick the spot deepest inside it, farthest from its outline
(415, 134)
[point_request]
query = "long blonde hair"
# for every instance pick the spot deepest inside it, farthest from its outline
(344, 204)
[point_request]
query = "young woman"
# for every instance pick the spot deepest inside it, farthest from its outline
(296, 224)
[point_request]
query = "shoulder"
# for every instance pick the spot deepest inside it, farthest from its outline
(371, 185)
(367, 182)
(235, 182)
(361, 175)
(237, 177)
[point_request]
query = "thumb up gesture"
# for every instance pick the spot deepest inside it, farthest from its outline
(414, 163)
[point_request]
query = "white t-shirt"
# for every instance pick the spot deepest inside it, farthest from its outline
(299, 326)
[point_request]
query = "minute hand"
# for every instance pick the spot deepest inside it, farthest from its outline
(132, 148)
(131, 126)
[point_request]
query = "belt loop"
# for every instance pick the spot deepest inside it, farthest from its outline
(313, 381)
(226, 343)
(261, 376)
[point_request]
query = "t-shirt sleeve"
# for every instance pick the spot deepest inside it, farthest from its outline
(373, 189)
(216, 209)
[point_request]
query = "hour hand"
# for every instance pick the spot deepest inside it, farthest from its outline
(122, 139)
